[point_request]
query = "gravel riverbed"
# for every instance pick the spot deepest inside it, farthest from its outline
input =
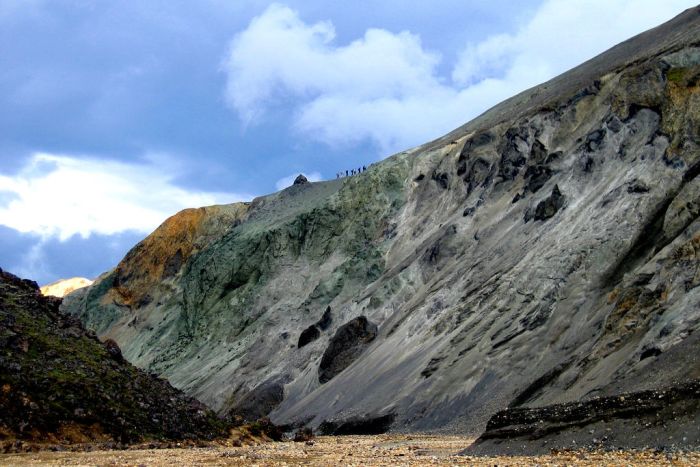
(408, 450)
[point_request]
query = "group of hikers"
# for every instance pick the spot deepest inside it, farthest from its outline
(351, 172)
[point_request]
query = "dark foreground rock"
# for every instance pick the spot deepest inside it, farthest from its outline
(361, 425)
(60, 384)
(662, 419)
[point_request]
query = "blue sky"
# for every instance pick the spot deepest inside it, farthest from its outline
(115, 115)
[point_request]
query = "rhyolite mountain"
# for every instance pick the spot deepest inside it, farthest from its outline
(60, 384)
(63, 287)
(546, 252)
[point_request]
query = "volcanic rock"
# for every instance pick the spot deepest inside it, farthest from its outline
(472, 304)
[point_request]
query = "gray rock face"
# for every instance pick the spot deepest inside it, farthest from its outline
(475, 308)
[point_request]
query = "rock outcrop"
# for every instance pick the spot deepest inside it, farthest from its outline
(546, 252)
(60, 384)
(661, 419)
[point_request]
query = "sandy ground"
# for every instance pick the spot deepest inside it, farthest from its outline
(380, 450)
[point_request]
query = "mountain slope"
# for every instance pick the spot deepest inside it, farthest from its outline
(58, 383)
(545, 252)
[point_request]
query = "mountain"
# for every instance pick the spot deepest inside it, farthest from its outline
(544, 253)
(60, 384)
(63, 287)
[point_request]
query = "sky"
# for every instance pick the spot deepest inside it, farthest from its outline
(116, 115)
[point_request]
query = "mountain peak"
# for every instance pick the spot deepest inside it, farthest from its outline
(63, 287)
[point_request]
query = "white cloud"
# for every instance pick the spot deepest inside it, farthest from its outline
(385, 86)
(61, 196)
(561, 35)
(283, 183)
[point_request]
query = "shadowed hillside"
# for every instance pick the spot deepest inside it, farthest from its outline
(59, 384)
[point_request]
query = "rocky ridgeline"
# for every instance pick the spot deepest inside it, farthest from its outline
(60, 385)
(546, 252)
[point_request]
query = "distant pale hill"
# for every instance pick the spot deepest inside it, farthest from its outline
(63, 287)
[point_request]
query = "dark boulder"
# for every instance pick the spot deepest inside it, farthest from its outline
(300, 180)
(313, 332)
(442, 179)
(538, 153)
(637, 187)
(308, 335)
(650, 352)
(512, 157)
(478, 174)
(536, 176)
(326, 320)
(481, 139)
(548, 207)
(349, 341)
(260, 401)
(595, 139)
(553, 157)
(366, 425)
